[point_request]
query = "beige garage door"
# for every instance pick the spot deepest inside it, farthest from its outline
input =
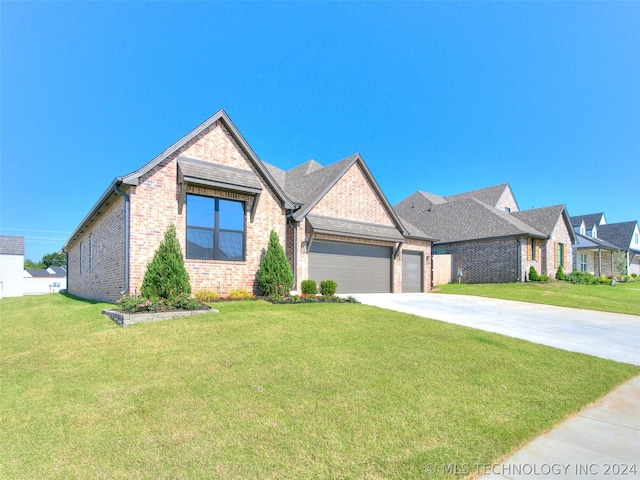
(357, 268)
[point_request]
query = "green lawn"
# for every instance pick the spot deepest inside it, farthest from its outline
(272, 391)
(623, 298)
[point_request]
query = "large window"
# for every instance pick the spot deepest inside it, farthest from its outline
(560, 252)
(583, 262)
(215, 228)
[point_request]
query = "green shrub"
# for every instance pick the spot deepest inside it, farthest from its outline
(581, 278)
(275, 275)
(207, 296)
(166, 277)
(634, 275)
(560, 273)
(137, 303)
(309, 287)
(328, 287)
(604, 280)
(544, 278)
(184, 302)
(239, 294)
(533, 274)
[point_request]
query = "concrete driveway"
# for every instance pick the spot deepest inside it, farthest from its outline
(607, 335)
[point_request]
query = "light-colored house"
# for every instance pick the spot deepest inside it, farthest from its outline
(599, 240)
(334, 222)
(46, 280)
(489, 238)
(11, 266)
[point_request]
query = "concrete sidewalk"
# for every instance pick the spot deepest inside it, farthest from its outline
(601, 441)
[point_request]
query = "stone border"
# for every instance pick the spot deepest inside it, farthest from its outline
(123, 318)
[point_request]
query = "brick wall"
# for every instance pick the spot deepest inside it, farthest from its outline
(560, 234)
(507, 200)
(489, 261)
(102, 276)
(411, 245)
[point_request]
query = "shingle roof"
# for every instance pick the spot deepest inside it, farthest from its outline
(590, 219)
(488, 195)
(51, 272)
(10, 245)
(542, 219)
(619, 234)
(349, 228)
(220, 176)
(462, 220)
(584, 242)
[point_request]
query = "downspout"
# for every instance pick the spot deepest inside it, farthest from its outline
(125, 290)
(519, 253)
(294, 256)
(599, 262)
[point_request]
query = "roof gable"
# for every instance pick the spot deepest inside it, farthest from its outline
(489, 195)
(619, 234)
(10, 245)
(589, 220)
(545, 219)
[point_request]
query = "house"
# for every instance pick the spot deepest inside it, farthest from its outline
(44, 280)
(599, 240)
(11, 266)
(334, 222)
(489, 238)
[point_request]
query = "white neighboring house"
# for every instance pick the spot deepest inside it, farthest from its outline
(11, 266)
(49, 280)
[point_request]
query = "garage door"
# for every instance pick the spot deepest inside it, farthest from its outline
(411, 272)
(355, 267)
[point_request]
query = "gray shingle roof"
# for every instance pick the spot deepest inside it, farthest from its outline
(349, 228)
(197, 171)
(44, 272)
(584, 242)
(10, 245)
(542, 219)
(462, 220)
(488, 195)
(619, 234)
(590, 220)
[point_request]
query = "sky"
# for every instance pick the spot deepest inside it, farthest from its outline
(443, 97)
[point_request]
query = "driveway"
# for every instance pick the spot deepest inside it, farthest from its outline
(607, 335)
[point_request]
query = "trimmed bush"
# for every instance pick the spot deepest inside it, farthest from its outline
(207, 296)
(604, 280)
(239, 294)
(166, 276)
(533, 274)
(560, 273)
(581, 278)
(275, 276)
(309, 287)
(328, 287)
(544, 278)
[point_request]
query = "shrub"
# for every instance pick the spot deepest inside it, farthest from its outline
(604, 280)
(309, 287)
(533, 274)
(328, 287)
(275, 275)
(136, 303)
(184, 302)
(634, 275)
(581, 278)
(560, 273)
(207, 296)
(543, 278)
(166, 276)
(239, 294)
(620, 261)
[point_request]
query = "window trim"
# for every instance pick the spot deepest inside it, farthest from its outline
(216, 230)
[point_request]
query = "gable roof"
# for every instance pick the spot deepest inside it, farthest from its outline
(545, 219)
(462, 220)
(619, 234)
(133, 178)
(10, 245)
(589, 220)
(488, 195)
(584, 242)
(309, 182)
(51, 272)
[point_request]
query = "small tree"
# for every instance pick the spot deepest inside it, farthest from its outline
(275, 276)
(533, 274)
(166, 276)
(620, 262)
(56, 259)
(560, 273)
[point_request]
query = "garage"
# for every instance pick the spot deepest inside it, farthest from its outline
(411, 272)
(355, 267)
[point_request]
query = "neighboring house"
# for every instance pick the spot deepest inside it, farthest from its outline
(490, 240)
(598, 240)
(334, 222)
(11, 266)
(44, 280)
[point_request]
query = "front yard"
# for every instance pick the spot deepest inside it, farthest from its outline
(272, 391)
(623, 298)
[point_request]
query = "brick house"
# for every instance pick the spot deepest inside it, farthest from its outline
(334, 222)
(489, 238)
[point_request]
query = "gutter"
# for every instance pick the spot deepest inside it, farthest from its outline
(293, 224)
(125, 290)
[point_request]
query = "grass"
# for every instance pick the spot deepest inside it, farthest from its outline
(623, 298)
(272, 391)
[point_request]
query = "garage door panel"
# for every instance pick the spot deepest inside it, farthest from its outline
(356, 268)
(411, 272)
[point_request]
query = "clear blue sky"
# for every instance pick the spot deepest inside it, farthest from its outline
(442, 97)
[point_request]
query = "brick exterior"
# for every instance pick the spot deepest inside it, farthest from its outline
(507, 200)
(487, 261)
(560, 234)
(105, 279)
